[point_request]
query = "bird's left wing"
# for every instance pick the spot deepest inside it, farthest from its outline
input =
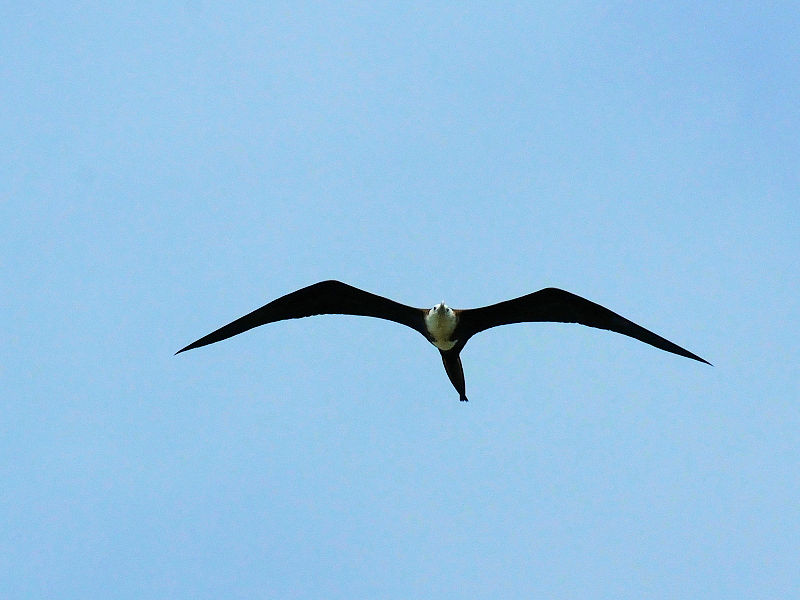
(323, 298)
(551, 304)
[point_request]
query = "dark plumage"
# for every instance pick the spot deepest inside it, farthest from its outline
(446, 328)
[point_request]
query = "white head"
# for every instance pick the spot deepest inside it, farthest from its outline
(442, 312)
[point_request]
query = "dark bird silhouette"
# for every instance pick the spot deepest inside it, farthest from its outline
(446, 328)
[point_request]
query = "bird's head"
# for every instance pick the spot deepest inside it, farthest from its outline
(441, 311)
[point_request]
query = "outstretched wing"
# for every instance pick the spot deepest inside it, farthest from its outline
(323, 298)
(556, 305)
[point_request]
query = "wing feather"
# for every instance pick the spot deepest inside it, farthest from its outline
(323, 298)
(554, 305)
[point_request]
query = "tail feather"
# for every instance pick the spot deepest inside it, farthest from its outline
(452, 364)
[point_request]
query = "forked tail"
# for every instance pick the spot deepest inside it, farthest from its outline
(452, 364)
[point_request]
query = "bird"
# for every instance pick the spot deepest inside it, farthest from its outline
(448, 329)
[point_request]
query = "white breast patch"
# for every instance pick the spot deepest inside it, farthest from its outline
(441, 327)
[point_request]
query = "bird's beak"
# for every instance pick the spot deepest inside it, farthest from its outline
(440, 308)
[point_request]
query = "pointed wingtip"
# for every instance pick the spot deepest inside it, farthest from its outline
(697, 358)
(702, 360)
(684, 352)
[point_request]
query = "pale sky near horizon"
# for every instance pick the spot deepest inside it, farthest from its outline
(166, 170)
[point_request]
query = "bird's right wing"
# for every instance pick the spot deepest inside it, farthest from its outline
(552, 304)
(323, 298)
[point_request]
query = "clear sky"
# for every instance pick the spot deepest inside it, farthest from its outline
(168, 167)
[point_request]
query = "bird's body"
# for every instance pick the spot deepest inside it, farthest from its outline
(446, 328)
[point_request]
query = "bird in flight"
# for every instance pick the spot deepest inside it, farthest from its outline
(446, 328)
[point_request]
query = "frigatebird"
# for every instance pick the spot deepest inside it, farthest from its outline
(446, 328)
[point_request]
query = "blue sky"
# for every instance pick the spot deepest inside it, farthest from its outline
(166, 170)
